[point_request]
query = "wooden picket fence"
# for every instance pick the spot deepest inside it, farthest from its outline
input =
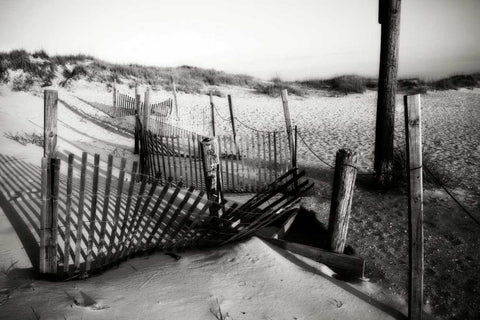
(248, 163)
(125, 105)
(92, 218)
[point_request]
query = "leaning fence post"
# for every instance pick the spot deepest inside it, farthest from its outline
(211, 170)
(175, 97)
(413, 138)
(49, 183)
(212, 106)
(288, 124)
(146, 110)
(342, 195)
(137, 115)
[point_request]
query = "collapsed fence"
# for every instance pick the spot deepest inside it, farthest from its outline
(89, 224)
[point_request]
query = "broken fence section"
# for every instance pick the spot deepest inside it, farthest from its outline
(98, 215)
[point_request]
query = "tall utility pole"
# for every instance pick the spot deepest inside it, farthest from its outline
(389, 18)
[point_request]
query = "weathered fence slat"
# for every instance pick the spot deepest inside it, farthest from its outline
(81, 204)
(415, 204)
(118, 207)
(122, 238)
(106, 200)
(68, 210)
(93, 214)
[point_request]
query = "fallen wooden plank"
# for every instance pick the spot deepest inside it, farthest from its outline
(342, 264)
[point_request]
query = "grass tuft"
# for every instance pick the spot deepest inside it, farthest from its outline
(26, 138)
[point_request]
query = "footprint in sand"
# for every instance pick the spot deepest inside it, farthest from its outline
(84, 300)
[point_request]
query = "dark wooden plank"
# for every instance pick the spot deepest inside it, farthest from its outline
(200, 164)
(175, 160)
(168, 158)
(118, 207)
(135, 217)
(184, 219)
(143, 212)
(45, 211)
(227, 180)
(275, 167)
(164, 213)
(270, 166)
(285, 227)
(53, 221)
(143, 233)
(164, 151)
(249, 162)
(192, 178)
(93, 214)
(68, 212)
(189, 236)
(259, 163)
(180, 161)
(340, 263)
(262, 220)
(172, 219)
(103, 222)
(242, 161)
(232, 155)
(122, 237)
(81, 204)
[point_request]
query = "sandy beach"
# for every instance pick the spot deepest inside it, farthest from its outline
(450, 122)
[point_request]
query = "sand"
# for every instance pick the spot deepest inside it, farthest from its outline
(250, 280)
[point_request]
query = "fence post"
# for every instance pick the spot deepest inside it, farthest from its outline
(342, 195)
(114, 95)
(413, 138)
(288, 124)
(232, 120)
(49, 191)
(389, 18)
(137, 115)
(175, 97)
(212, 106)
(211, 170)
(295, 149)
(146, 110)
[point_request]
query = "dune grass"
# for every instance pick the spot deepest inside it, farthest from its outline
(41, 68)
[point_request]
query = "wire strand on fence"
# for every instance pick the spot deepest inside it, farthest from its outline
(310, 149)
(218, 113)
(251, 128)
(437, 180)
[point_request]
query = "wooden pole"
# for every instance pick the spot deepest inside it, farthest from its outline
(211, 169)
(288, 124)
(232, 119)
(389, 17)
(50, 123)
(137, 115)
(50, 169)
(146, 109)
(342, 195)
(212, 106)
(295, 150)
(115, 94)
(415, 204)
(175, 97)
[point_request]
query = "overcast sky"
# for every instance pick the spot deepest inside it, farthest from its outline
(292, 39)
